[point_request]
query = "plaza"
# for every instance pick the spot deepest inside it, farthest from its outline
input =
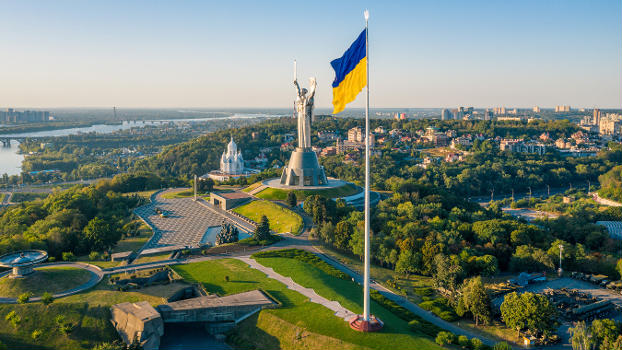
(184, 222)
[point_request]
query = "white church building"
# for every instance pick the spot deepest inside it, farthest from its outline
(231, 164)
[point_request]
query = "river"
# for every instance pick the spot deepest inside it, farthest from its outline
(11, 160)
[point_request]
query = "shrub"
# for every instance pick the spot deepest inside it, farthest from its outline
(445, 338)
(441, 308)
(502, 346)
(51, 259)
(227, 278)
(68, 256)
(477, 344)
(94, 256)
(13, 318)
(47, 298)
(464, 342)
(36, 334)
(24, 298)
(2, 346)
(306, 257)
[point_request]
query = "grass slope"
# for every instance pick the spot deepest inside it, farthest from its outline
(52, 280)
(281, 219)
(277, 194)
(91, 326)
(298, 310)
(89, 312)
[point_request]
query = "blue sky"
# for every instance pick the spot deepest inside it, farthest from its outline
(239, 53)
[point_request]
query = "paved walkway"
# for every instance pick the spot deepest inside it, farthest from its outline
(186, 223)
(96, 276)
(604, 201)
(339, 310)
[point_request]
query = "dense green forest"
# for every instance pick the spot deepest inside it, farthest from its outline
(611, 184)
(79, 220)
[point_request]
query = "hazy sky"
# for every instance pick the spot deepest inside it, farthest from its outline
(239, 53)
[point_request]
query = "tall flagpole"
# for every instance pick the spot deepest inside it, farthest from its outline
(366, 282)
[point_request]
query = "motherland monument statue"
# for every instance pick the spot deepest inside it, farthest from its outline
(304, 111)
(303, 168)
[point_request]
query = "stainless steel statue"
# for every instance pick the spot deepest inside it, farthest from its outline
(304, 109)
(303, 168)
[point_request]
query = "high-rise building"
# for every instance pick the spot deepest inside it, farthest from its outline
(562, 109)
(445, 114)
(536, 109)
(596, 117)
(499, 110)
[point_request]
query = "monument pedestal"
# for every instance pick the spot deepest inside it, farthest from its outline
(303, 169)
(358, 323)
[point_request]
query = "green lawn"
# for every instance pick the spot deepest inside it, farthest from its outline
(88, 311)
(2, 195)
(52, 280)
(281, 219)
(134, 243)
(298, 310)
(277, 194)
(251, 187)
(411, 286)
(151, 258)
(91, 326)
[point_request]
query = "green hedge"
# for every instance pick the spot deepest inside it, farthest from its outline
(306, 257)
(441, 308)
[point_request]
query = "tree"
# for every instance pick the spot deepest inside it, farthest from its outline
(445, 338)
(447, 272)
(474, 300)
(292, 201)
(47, 298)
(581, 338)
(36, 334)
(605, 332)
(24, 298)
(228, 234)
(100, 235)
(205, 185)
(262, 232)
(528, 310)
(619, 267)
(343, 231)
(408, 262)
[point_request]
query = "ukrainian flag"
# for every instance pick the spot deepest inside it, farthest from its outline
(350, 73)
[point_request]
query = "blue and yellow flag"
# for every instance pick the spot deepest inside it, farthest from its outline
(350, 73)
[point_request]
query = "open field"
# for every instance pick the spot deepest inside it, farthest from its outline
(185, 193)
(88, 312)
(251, 187)
(412, 286)
(151, 258)
(52, 280)
(90, 323)
(134, 243)
(297, 310)
(277, 194)
(281, 219)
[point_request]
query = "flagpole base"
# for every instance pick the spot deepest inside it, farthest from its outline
(358, 323)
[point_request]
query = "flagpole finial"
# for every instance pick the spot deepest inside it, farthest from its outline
(366, 14)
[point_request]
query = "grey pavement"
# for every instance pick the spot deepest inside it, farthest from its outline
(186, 223)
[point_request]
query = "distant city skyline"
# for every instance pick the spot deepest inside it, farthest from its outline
(424, 54)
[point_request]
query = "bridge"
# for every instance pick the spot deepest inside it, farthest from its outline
(6, 141)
